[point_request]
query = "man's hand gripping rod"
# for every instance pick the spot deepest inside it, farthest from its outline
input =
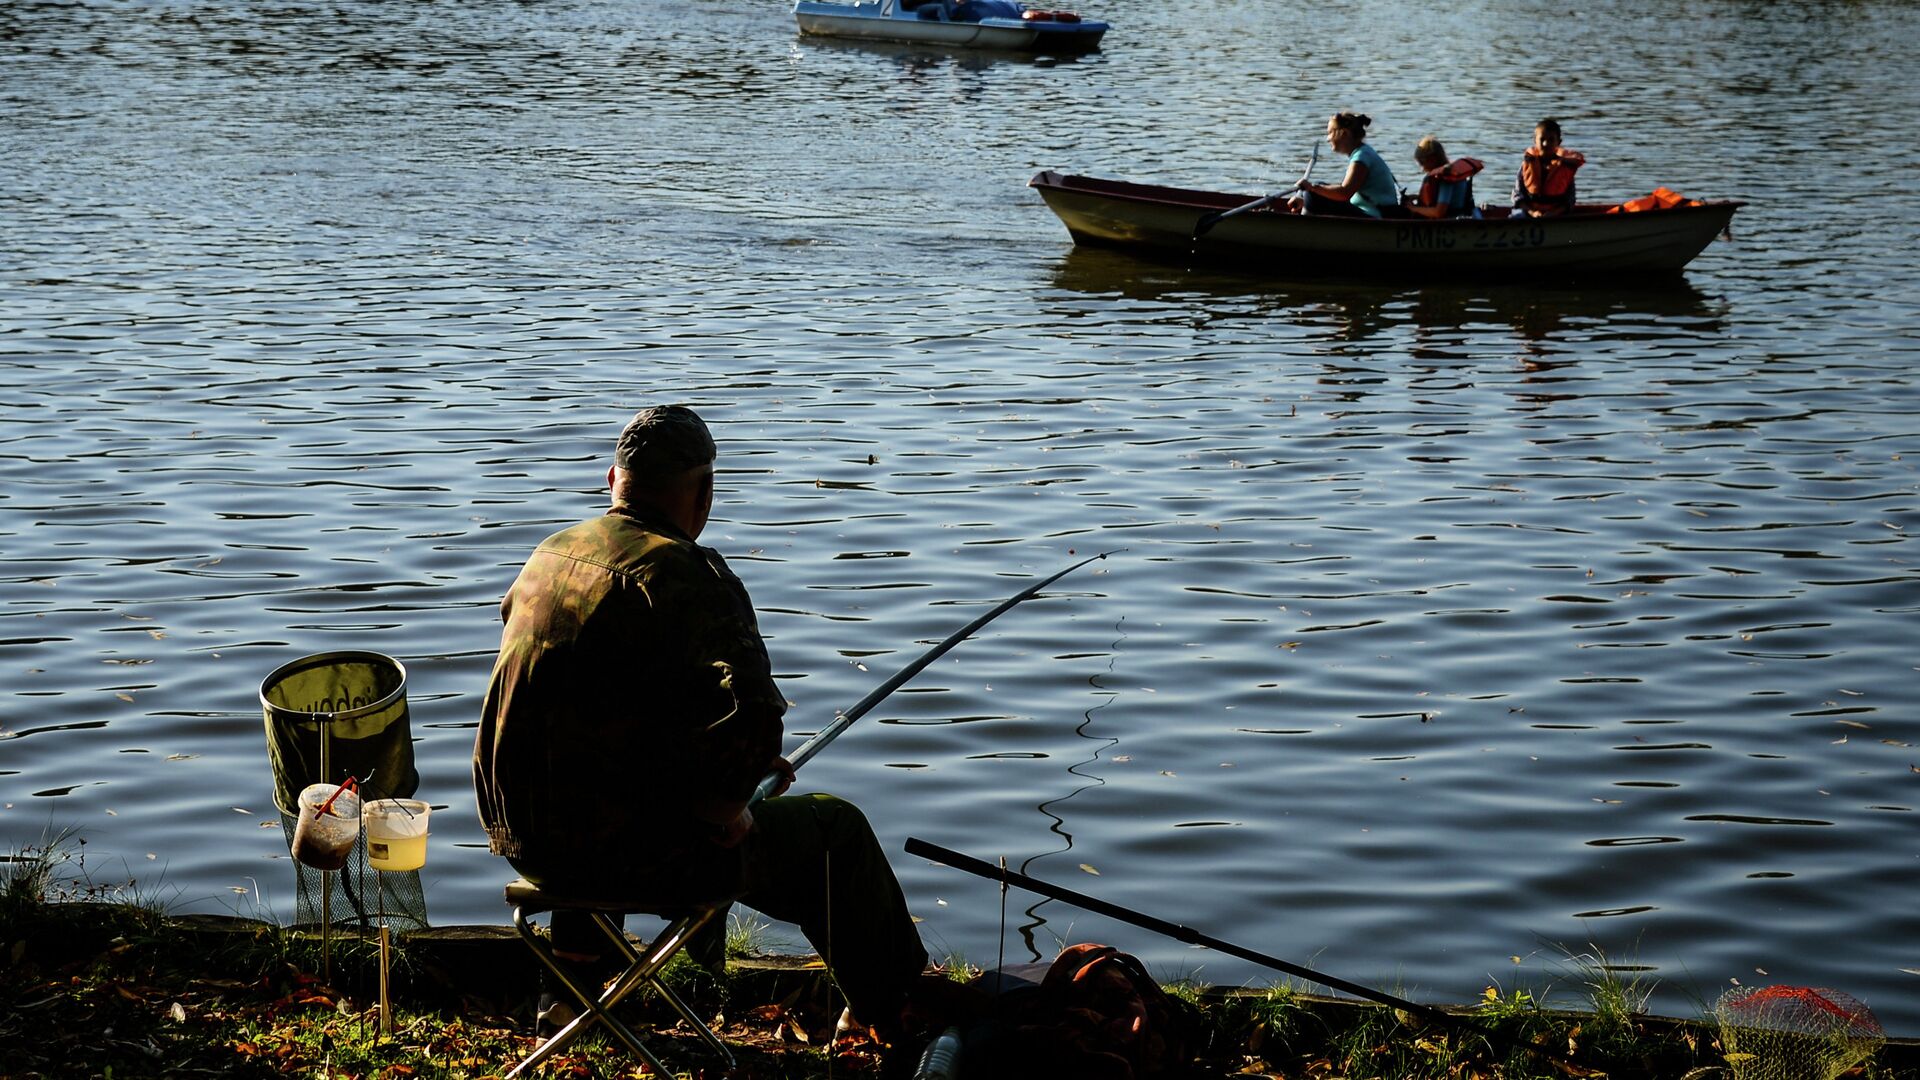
(845, 720)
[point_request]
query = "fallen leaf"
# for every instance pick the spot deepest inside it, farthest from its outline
(1089, 869)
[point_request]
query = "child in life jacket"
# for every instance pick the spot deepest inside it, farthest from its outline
(1544, 187)
(1447, 188)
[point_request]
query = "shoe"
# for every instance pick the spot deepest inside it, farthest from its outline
(551, 1015)
(556, 1008)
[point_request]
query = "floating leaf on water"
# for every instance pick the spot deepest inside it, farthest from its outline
(940, 902)
(236, 890)
(113, 813)
(1124, 757)
(1839, 740)
(124, 697)
(1853, 693)
(151, 856)
(1761, 971)
(269, 824)
(161, 635)
(1167, 772)
(1515, 959)
(1853, 723)
(238, 810)
(1089, 869)
(181, 757)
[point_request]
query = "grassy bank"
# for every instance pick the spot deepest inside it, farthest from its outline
(97, 982)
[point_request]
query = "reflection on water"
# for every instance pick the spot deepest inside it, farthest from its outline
(1456, 622)
(1354, 311)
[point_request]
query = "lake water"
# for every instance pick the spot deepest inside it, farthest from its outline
(1453, 631)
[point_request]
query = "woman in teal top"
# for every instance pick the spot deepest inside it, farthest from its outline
(1369, 189)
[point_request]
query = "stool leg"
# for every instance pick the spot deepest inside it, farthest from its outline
(597, 1011)
(647, 971)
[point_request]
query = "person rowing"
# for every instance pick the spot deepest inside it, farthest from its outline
(1368, 189)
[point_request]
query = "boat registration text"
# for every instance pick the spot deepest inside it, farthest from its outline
(1482, 235)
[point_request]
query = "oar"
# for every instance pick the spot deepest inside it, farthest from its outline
(979, 868)
(845, 720)
(1206, 223)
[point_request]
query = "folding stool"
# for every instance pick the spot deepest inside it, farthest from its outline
(643, 968)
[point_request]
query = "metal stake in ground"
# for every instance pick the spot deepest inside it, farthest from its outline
(980, 868)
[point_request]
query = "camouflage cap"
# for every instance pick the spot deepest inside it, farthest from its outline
(664, 439)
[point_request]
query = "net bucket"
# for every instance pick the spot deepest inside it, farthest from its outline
(1794, 1032)
(331, 716)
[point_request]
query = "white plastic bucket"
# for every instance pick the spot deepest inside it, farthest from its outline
(396, 833)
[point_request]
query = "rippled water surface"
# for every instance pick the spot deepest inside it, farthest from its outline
(1453, 629)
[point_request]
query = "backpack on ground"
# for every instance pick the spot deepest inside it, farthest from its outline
(1094, 1015)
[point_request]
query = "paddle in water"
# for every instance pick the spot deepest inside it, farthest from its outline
(845, 720)
(1208, 221)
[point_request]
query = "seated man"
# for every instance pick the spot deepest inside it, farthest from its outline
(629, 717)
(1447, 188)
(1544, 187)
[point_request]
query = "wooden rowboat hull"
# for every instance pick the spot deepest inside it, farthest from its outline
(1161, 221)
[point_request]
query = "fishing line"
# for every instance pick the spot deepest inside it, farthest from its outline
(1057, 828)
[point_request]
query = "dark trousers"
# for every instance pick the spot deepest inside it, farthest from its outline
(813, 860)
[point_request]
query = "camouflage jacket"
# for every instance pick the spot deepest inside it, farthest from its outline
(631, 681)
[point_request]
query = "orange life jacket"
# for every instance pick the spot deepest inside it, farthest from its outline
(1549, 180)
(1662, 199)
(1461, 168)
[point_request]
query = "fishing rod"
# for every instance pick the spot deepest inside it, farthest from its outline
(980, 868)
(845, 720)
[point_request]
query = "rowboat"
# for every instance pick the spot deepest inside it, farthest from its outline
(1592, 239)
(975, 24)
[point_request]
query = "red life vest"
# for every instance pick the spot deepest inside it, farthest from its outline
(1452, 172)
(1549, 180)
